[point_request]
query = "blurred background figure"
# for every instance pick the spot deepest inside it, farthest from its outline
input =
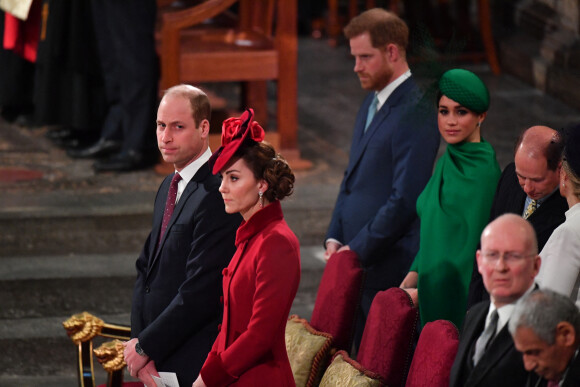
(126, 47)
(18, 53)
(560, 269)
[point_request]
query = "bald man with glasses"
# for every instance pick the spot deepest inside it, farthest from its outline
(508, 262)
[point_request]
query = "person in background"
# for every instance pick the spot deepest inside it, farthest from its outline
(394, 145)
(529, 187)
(126, 45)
(545, 327)
(561, 256)
(261, 281)
(454, 206)
(176, 305)
(508, 262)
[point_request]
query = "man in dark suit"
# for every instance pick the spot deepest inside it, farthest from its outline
(126, 44)
(545, 327)
(509, 262)
(529, 182)
(176, 302)
(394, 145)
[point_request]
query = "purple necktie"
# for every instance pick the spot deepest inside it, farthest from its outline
(169, 204)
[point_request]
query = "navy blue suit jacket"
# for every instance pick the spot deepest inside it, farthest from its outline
(389, 166)
(176, 302)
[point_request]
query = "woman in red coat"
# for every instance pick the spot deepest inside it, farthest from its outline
(262, 278)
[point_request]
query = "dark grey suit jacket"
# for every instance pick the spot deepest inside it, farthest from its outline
(501, 365)
(176, 302)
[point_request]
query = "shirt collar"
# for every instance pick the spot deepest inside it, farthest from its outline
(388, 90)
(189, 171)
(505, 312)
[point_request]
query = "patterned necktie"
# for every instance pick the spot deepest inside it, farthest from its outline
(530, 208)
(169, 204)
(552, 383)
(372, 111)
(485, 338)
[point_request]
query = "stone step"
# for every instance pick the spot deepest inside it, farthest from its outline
(40, 292)
(67, 222)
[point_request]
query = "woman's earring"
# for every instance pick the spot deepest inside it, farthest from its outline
(261, 195)
(479, 124)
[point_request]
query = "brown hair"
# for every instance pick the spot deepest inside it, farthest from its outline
(198, 101)
(384, 27)
(266, 164)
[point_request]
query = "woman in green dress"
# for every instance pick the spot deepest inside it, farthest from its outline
(455, 204)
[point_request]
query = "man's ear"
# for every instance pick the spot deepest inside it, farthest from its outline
(204, 127)
(565, 334)
(478, 259)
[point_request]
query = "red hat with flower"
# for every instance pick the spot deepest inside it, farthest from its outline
(235, 131)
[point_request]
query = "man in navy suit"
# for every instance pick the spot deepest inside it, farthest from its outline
(176, 306)
(508, 262)
(545, 327)
(394, 145)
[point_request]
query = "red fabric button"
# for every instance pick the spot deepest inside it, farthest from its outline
(219, 327)
(225, 272)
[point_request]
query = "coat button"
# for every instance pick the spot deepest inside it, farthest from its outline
(147, 289)
(225, 272)
(219, 327)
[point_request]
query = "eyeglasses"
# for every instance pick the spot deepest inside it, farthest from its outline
(509, 257)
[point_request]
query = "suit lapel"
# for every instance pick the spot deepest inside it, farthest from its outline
(362, 139)
(472, 331)
(501, 344)
(185, 196)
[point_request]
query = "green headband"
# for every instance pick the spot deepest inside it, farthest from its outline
(465, 88)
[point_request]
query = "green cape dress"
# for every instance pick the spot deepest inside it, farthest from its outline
(454, 208)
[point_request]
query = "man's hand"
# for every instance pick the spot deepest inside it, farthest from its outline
(146, 374)
(331, 248)
(134, 361)
(344, 248)
(198, 382)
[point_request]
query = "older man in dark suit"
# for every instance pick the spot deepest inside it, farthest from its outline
(509, 262)
(529, 187)
(394, 145)
(176, 302)
(545, 327)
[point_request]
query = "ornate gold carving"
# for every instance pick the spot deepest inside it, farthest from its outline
(83, 327)
(110, 355)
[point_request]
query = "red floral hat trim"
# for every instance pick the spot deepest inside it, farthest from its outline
(234, 131)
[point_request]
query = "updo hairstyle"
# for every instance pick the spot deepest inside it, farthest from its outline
(266, 164)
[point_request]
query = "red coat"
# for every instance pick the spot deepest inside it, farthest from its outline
(259, 286)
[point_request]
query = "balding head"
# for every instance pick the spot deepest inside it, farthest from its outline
(508, 260)
(537, 157)
(198, 100)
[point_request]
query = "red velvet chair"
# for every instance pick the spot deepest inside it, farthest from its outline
(387, 342)
(434, 355)
(338, 298)
(311, 345)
